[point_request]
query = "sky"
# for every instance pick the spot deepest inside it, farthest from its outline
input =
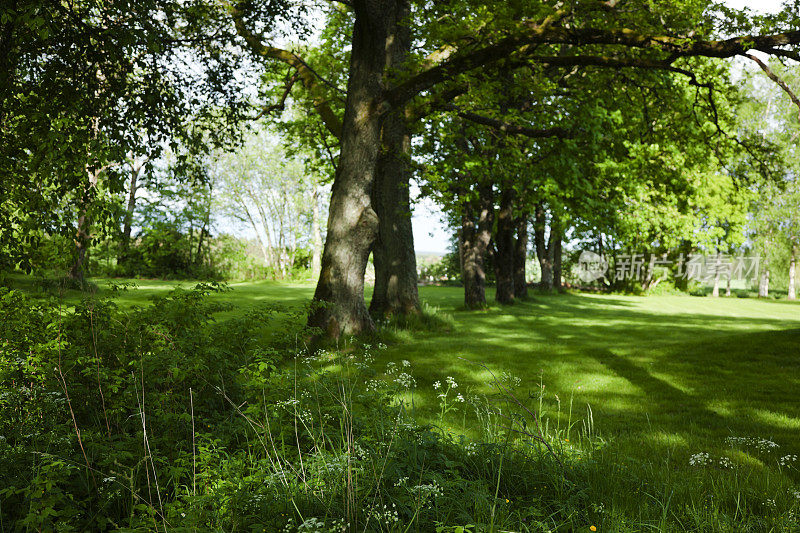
(431, 235)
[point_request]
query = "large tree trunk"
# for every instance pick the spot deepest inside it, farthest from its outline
(395, 291)
(316, 235)
(521, 257)
(792, 293)
(504, 249)
(475, 237)
(352, 223)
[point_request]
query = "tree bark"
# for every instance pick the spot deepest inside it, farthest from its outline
(395, 291)
(544, 253)
(715, 289)
(504, 252)
(521, 257)
(475, 237)
(83, 237)
(352, 223)
(763, 285)
(556, 232)
(265, 252)
(792, 293)
(127, 221)
(316, 235)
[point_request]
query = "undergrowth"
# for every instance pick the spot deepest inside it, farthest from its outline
(163, 418)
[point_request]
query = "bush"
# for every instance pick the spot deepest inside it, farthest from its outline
(170, 418)
(162, 417)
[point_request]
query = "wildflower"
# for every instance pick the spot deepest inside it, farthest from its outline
(699, 459)
(405, 379)
(592, 528)
(437, 384)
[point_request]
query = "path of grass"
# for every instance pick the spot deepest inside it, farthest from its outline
(663, 374)
(668, 371)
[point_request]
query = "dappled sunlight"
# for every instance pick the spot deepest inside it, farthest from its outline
(777, 420)
(670, 371)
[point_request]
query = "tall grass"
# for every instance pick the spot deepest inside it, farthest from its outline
(164, 418)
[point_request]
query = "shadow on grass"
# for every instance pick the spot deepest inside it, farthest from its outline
(695, 373)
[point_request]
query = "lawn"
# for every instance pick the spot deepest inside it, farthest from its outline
(660, 373)
(667, 379)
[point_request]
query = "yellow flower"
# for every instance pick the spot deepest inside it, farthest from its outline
(508, 501)
(592, 528)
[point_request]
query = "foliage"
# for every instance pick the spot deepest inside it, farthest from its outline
(193, 422)
(273, 196)
(93, 83)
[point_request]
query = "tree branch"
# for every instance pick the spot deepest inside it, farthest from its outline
(533, 35)
(305, 73)
(507, 127)
(435, 102)
(281, 105)
(774, 77)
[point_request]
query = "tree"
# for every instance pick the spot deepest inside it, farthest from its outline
(276, 196)
(770, 114)
(529, 33)
(88, 81)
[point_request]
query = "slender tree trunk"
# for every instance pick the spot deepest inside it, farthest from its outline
(728, 286)
(270, 255)
(504, 253)
(556, 232)
(127, 221)
(475, 237)
(352, 223)
(77, 271)
(264, 250)
(203, 232)
(521, 257)
(316, 254)
(395, 291)
(763, 285)
(792, 293)
(715, 289)
(544, 253)
(682, 282)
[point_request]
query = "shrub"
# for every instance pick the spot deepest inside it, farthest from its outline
(168, 417)
(163, 417)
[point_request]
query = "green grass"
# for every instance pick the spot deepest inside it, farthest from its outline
(660, 371)
(666, 377)
(696, 369)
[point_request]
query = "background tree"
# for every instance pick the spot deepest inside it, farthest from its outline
(275, 196)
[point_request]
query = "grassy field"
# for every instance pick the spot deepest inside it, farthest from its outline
(666, 378)
(672, 373)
